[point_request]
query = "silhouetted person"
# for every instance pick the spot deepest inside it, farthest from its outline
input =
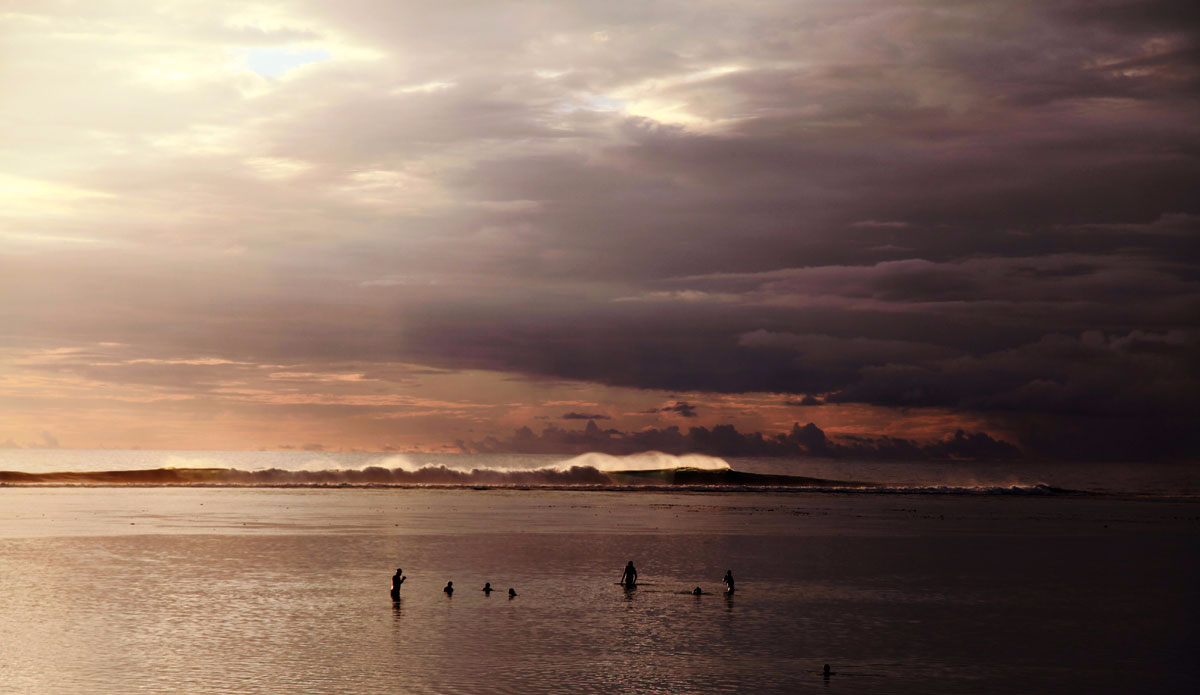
(511, 592)
(728, 579)
(827, 673)
(696, 591)
(487, 588)
(397, 579)
(449, 588)
(629, 577)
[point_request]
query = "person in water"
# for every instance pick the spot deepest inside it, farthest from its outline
(397, 579)
(629, 577)
(487, 588)
(449, 588)
(697, 591)
(511, 592)
(728, 579)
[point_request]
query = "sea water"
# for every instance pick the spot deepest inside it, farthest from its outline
(952, 586)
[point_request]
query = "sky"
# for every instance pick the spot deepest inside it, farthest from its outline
(397, 225)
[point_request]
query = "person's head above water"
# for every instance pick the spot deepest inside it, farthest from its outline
(487, 586)
(697, 591)
(511, 592)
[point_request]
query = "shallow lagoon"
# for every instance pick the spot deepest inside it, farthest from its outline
(224, 590)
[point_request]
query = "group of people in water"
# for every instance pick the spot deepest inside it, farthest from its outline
(628, 580)
(398, 579)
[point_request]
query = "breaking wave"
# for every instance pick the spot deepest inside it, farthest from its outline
(441, 476)
(647, 461)
(646, 471)
(591, 471)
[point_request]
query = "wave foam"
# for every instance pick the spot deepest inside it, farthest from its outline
(645, 461)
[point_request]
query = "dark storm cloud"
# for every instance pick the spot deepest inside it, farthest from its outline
(680, 408)
(981, 206)
(808, 400)
(1000, 354)
(1145, 16)
(585, 416)
(726, 440)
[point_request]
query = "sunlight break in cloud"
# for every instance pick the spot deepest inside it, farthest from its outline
(276, 61)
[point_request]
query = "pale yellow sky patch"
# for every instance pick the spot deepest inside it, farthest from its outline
(278, 168)
(27, 197)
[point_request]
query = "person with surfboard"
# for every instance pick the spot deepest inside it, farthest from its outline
(629, 577)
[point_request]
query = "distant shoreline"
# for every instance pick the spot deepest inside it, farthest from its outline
(583, 479)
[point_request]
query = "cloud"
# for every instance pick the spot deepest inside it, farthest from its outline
(891, 203)
(680, 408)
(1092, 373)
(726, 440)
(808, 400)
(585, 416)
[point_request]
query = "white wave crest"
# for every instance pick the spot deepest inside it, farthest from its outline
(403, 463)
(645, 461)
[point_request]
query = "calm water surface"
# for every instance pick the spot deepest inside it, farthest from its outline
(265, 590)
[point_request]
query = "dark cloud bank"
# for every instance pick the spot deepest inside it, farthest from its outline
(988, 208)
(980, 207)
(725, 440)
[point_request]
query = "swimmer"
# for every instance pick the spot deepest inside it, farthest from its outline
(487, 588)
(449, 588)
(397, 579)
(728, 579)
(511, 592)
(697, 591)
(827, 673)
(629, 576)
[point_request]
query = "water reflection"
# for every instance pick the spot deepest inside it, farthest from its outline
(305, 612)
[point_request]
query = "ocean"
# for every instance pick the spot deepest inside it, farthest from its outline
(257, 572)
